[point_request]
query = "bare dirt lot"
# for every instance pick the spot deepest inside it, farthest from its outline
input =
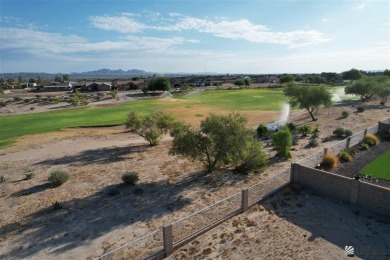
(292, 225)
(94, 219)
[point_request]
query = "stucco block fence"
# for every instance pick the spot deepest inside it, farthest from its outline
(362, 194)
(164, 241)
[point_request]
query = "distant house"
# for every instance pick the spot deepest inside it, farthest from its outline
(96, 86)
(58, 86)
(266, 79)
(125, 84)
(78, 86)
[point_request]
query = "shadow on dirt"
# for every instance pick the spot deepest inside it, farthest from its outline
(99, 156)
(340, 223)
(32, 190)
(82, 220)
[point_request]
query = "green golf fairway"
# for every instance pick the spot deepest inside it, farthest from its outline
(12, 127)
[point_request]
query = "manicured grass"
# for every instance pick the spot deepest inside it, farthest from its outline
(379, 168)
(240, 99)
(13, 127)
(16, 126)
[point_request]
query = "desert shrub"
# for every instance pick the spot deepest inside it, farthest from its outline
(316, 129)
(304, 130)
(345, 156)
(360, 109)
(74, 101)
(327, 139)
(252, 159)
(78, 98)
(114, 93)
(3, 104)
(262, 131)
(145, 90)
(283, 141)
(2, 179)
(58, 177)
(152, 127)
(313, 142)
(17, 99)
(339, 132)
(29, 176)
(56, 100)
(371, 139)
(99, 96)
(130, 177)
(292, 127)
(154, 136)
(315, 135)
(348, 132)
(83, 101)
(364, 146)
(56, 205)
(353, 150)
(329, 161)
(344, 114)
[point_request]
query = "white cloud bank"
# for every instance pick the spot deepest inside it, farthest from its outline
(33, 40)
(241, 29)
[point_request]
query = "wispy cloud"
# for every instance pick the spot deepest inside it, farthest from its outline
(33, 40)
(18, 22)
(122, 24)
(241, 29)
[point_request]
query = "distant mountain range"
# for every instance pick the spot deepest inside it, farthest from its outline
(102, 73)
(108, 72)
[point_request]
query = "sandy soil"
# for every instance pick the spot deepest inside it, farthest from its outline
(291, 225)
(92, 221)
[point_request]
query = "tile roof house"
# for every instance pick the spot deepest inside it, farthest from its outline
(96, 86)
(58, 86)
(125, 84)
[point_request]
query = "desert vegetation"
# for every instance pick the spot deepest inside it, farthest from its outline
(58, 177)
(168, 177)
(310, 98)
(221, 140)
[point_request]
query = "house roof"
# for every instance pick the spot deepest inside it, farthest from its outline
(121, 82)
(97, 83)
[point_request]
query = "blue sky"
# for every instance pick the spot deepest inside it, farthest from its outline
(194, 36)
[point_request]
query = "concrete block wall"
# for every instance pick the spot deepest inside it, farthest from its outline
(365, 195)
(374, 197)
(325, 183)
